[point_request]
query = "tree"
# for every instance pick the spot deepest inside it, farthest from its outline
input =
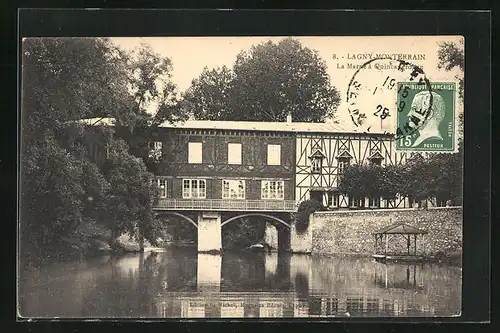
(266, 83)
(155, 96)
(209, 96)
(127, 205)
(391, 181)
(65, 79)
(351, 180)
(62, 79)
(70, 78)
(450, 56)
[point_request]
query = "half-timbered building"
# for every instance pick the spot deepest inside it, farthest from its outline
(324, 152)
(265, 166)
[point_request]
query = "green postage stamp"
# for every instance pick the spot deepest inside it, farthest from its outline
(426, 117)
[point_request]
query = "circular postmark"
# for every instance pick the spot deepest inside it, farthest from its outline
(380, 89)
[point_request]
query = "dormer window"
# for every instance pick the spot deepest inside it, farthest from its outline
(317, 161)
(344, 160)
(376, 158)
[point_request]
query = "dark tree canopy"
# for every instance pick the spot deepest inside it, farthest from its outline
(437, 175)
(209, 96)
(65, 79)
(265, 84)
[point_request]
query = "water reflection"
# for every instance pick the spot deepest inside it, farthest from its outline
(181, 283)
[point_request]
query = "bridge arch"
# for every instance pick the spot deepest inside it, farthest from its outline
(256, 214)
(180, 215)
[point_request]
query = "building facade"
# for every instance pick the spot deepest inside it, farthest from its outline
(217, 165)
(266, 166)
(323, 156)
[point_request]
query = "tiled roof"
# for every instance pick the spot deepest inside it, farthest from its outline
(298, 127)
(267, 126)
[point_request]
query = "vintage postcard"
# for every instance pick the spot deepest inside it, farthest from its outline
(236, 177)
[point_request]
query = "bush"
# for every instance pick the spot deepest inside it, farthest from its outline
(306, 208)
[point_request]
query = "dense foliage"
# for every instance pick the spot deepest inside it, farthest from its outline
(305, 209)
(438, 175)
(265, 84)
(65, 79)
(450, 56)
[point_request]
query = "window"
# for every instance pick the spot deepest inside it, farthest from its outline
(342, 165)
(194, 188)
(272, 190)
(195, 152)
(234, 153)
(273, 154)
(374, 202)
(317, 160)
(162, 184)
(316, 165)
(356, 202)
(333, 199)
(155, 150)
(233, 189)
(376, 158)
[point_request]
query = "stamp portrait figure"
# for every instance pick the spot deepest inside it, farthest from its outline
(430, 126)
(431, 115)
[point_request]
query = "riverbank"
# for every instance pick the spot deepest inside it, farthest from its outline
(90, 239)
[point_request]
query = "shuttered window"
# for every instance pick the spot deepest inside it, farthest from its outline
(195, 152)
(234, 153)
(273, 154)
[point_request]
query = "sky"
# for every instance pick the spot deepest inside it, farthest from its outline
(191, 54)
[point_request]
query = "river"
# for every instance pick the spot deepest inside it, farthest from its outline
(180, 283)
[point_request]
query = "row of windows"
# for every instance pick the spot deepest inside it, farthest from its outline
(234, 156)
(317, 165)
(234, 153)
(333, 201)
(231, 189)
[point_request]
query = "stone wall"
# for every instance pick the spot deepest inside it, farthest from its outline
(301, 242)
(350, 232)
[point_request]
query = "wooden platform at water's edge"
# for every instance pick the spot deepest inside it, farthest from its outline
(396, 257)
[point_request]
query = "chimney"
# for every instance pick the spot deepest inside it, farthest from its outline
(289, 117)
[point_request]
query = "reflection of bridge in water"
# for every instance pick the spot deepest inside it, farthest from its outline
(281, 285)
(180, 283)
(260, 305)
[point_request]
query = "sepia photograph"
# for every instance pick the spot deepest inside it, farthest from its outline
(241, 177)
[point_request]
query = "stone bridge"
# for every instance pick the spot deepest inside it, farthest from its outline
(210, 216)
